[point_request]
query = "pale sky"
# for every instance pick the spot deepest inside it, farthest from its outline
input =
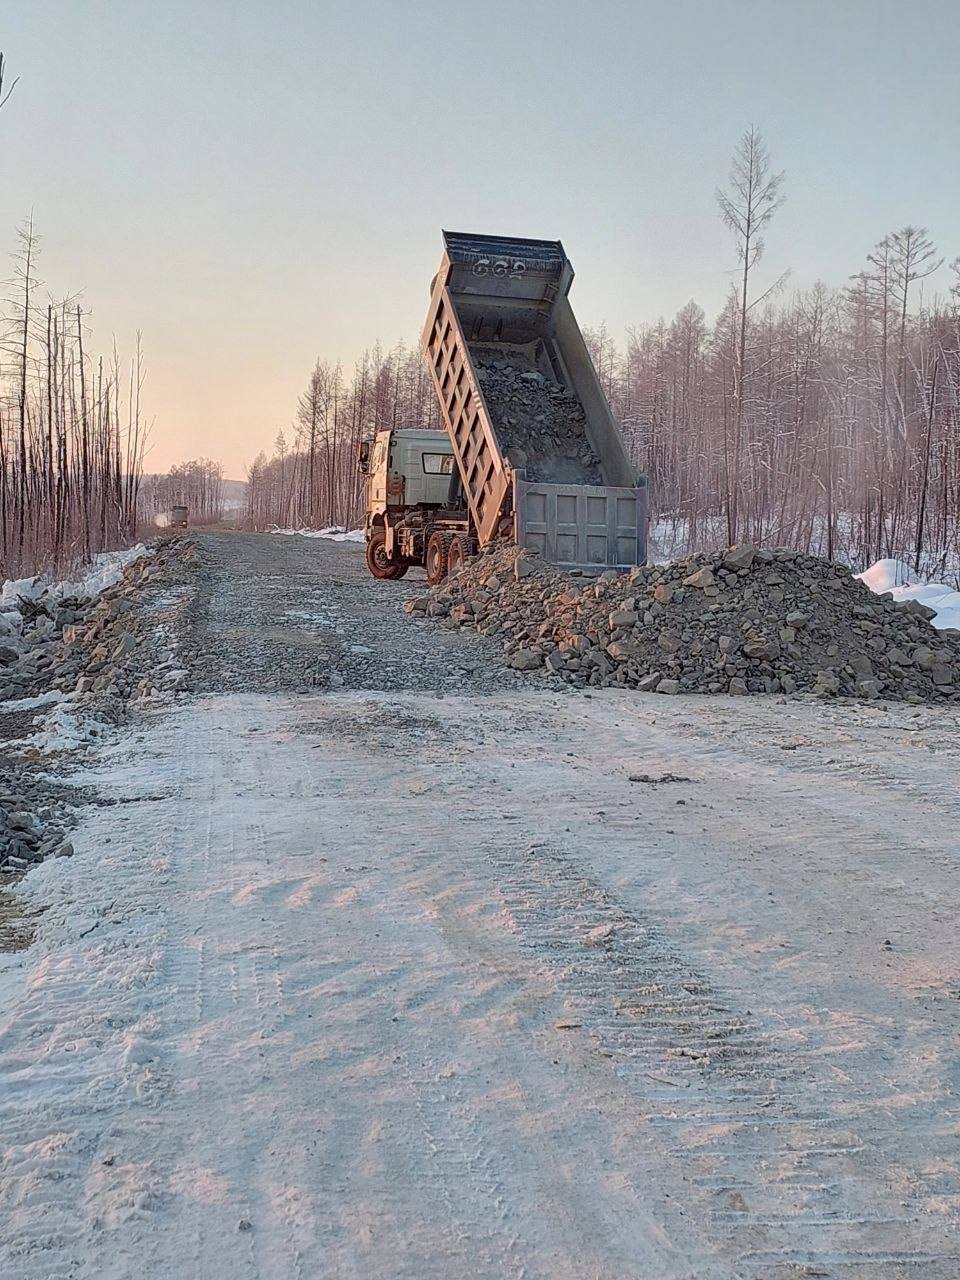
(254, 184)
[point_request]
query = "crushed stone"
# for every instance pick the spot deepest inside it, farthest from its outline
(743, 620)
(541, 426)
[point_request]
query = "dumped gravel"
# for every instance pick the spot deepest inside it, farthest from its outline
(35, 816)
(74, 665)
(739, 621)
(105, 651)
(541, 426)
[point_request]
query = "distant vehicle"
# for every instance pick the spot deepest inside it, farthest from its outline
(500, 333)
(178, 517)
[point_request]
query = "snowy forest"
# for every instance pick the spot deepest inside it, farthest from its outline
(197, 485)
(825, 419)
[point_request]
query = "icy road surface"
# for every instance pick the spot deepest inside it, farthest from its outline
(382, 985)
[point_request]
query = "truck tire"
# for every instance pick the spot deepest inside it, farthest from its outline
(461, 550)
(379, 564)
(438, 549)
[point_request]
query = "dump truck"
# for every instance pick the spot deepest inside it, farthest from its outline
(178, 517)
(530, 450)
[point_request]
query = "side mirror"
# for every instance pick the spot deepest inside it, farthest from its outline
(363, 457)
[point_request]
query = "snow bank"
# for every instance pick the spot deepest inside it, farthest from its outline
(884, 575)
(103, 572)
(31, 704)
(898, 578)
(65, 729)
(333, 533)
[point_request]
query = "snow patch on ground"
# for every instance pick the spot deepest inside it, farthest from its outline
(103, 572)
(901, 582)
(250, 1023)
(333, 533)
(31, 704)
(65, 728)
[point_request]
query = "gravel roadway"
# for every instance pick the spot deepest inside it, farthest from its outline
(438, 974)
(278, 612)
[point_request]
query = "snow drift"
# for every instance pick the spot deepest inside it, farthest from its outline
(333, 533)
(899, 580)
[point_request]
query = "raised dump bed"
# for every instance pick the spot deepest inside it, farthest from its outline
(539, 454)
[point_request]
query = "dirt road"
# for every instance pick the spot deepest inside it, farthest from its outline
(368, 982)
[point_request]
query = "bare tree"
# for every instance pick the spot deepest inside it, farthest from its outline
(5, 97)
(913, 258)
(747, 206)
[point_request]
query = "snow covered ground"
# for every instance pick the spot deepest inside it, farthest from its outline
(332, 533)
(453, 978)
(67, 726)
(105, 570)
(384, 985)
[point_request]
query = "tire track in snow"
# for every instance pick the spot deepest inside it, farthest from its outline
(798, 1189)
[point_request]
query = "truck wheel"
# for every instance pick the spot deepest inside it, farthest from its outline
(379, 563)
(438, 549)
(461, 549)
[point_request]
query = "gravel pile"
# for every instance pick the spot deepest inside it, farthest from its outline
(541, 427)
(739, 621)
(34, 819)
(99, 655)
(105, 646)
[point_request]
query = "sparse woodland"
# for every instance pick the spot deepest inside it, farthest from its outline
(311, 480)
(197, 485)
(826, 419)
(71, 431)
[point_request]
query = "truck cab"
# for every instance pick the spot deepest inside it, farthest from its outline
(411, 492)
(408, 468)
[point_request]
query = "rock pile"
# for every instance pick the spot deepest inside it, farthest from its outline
(33, 821)
(541, 427)
(86, 656)
(100, 646)
(744, 620)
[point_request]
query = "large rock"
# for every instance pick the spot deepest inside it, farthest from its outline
(740, 557)
(526, 660)
(762, 648)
